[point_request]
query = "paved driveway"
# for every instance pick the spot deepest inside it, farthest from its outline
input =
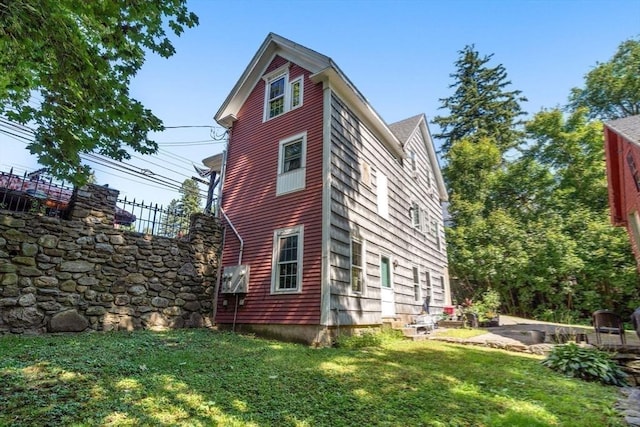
(515, 330)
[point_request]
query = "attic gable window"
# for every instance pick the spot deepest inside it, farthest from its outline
(281, 93)
(275, 99)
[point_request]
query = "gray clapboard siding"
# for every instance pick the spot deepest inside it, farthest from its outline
(354, 210)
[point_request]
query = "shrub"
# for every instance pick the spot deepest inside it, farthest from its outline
(585, 363)
(362, 340)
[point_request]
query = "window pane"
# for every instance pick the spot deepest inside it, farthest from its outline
(415, 275)
(356, 279)
(288, 275)
(295, 94)
(288, 249)
(415, 213)
(276, 88)
(356, 253)
(276, 107)
(292, 156)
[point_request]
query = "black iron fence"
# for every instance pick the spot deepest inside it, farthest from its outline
(33, 192)
(152, 219)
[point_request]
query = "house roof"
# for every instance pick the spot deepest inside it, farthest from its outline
(323, 70)
(628, 127)
(405, 129)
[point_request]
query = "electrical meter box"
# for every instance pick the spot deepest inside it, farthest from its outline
(235, 279)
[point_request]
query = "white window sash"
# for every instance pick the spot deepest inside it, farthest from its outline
(278, 235)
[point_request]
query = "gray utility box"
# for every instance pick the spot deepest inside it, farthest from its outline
(235, 279)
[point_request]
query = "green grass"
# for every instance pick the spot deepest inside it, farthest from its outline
(208, 378)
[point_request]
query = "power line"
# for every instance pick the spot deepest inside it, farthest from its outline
(192, 126)
(18, 131)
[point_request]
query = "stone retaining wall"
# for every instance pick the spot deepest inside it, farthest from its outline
(80, 273)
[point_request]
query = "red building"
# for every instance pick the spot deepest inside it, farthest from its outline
(622, 150)
(333, 217)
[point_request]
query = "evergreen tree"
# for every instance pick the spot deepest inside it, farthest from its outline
(481, 105)
(176, 221)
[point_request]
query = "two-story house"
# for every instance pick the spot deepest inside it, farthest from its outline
(334, 216)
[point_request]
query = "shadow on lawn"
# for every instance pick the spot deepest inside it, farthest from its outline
(209, 378)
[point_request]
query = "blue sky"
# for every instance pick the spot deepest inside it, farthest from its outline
(398, 53)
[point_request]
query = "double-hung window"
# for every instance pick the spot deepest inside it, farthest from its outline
(281, 94)
(275, 96)
(357, 266)
(287, 260)
(416, 284)
(292, 156)
(292, 164)
(415, 216)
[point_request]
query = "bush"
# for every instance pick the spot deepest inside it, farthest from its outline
(585, 363)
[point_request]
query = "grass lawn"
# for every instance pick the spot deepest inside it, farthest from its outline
(208, 378)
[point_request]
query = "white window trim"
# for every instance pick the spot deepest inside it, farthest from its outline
(415, 207)
(363, 267)
(413, 161)
(291, 83)
(417, 296)
(282, 71)
(294, 180)
(277, 235)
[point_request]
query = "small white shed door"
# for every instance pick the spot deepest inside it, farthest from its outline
(387, 298)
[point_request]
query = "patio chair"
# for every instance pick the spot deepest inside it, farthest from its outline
(607, 322)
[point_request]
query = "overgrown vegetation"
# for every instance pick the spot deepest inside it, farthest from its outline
(528, 200)
(200, 377)
(585, 363)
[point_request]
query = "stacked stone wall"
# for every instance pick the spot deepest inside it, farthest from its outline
(81, 273)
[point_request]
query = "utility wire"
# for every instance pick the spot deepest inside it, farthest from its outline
(10, 129)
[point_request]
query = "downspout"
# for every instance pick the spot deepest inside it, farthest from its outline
(220, 193)
(236, 233)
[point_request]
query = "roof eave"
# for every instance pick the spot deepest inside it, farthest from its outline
(273, 45)
(433, 158)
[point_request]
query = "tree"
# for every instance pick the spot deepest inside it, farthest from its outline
(612, 89)
(481, 127)
(572, 148)
(66, 68)
(176, 222)
(480, 106)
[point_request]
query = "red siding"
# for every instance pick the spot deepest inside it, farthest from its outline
(613, 153)
(250, 201)
(624, 194)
